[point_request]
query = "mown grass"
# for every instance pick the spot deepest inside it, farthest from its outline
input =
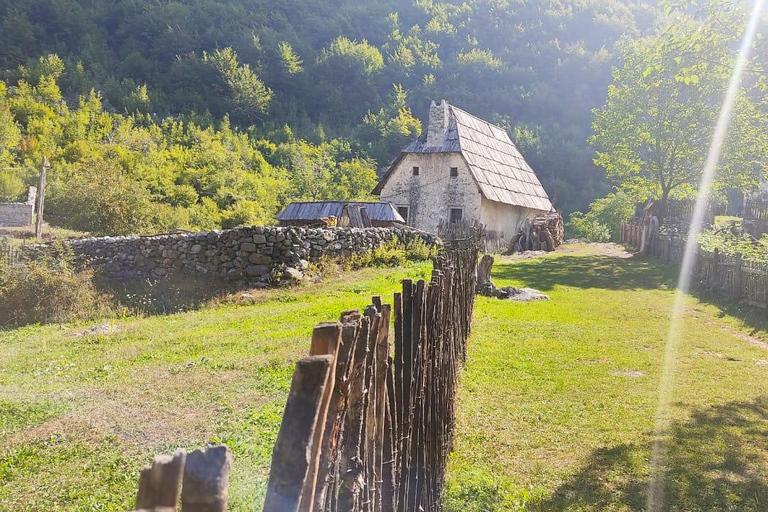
(558, 398)
(556, 403)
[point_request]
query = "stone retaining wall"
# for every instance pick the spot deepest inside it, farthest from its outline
(249, 253)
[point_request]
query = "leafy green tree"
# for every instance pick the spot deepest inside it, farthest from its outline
(248, 95)
(99, 197)
(654, 131)
(387, 131)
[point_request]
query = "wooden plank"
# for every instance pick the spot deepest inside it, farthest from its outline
(206, 480)
(325, 341)
(291, 455)
(325, 498)
(352, 482)
(159, 484)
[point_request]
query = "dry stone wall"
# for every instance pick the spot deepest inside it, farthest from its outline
(249, 253)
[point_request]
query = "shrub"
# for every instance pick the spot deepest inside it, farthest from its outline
(48, 289)
(581, 226)
(418, 250)
(601, 223)
(732, 243)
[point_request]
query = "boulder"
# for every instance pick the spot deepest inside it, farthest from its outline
(292, 274)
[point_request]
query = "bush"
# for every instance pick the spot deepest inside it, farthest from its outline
(49, 289)
(581, 226)
(418, 250)
(730, 243)
(601, 223)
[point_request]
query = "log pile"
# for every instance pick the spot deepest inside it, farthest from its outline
(546, 232)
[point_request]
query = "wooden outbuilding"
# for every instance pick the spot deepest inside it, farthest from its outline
(341, 214)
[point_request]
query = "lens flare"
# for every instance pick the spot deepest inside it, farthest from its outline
(667, 383)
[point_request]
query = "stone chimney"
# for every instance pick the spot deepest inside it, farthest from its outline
(438, 124)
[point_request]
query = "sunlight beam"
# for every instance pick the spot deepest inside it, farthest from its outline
(667, 382)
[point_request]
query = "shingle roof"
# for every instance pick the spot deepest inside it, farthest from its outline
(499, 169)
(383, 212)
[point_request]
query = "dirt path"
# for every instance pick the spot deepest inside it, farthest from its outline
(611, 250)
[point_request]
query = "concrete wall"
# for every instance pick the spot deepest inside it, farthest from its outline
(249, 253)
(432, 193)
(504, 218)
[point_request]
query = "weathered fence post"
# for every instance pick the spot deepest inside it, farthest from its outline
(738, 279)
(291, 457)
(159, 484)
(206, 480)
(715, 270)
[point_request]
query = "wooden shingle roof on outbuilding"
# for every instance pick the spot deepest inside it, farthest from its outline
(501, 172)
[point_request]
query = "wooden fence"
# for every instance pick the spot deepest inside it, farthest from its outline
(732, 277)
(366, 429)
(199, 480)
(10, 253)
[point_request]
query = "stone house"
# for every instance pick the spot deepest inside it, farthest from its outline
(463, 168)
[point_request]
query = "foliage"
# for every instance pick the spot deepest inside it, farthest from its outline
(393, 253)
(732, 243)
(326, 66)
(127, 173)
(654, 131)
(48, 289)
(601, 223)
(418, 250)
(582, 226)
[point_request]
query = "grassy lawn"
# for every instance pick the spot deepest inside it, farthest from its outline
(80, 415)
(556, 405)
(558, 398)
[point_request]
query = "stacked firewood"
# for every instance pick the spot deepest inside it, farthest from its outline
(544, 233)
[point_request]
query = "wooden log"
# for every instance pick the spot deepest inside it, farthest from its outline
(206, 480)
(291, 455)
(484, 271)
(159, 484)
(548, 241)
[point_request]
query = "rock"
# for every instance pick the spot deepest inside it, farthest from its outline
(195, 249)
(303, 264)
(248, 247)
(257, 270)
(259, 259)
(292, 274)
(160, 272)
(259, 239)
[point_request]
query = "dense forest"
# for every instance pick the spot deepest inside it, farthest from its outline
(210, 113)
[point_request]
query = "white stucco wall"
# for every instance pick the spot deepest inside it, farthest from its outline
(430, 195)
(504, 218)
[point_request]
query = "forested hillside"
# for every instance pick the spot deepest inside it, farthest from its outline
(217, 112)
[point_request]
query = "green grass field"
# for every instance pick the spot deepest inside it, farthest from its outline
(556, 403)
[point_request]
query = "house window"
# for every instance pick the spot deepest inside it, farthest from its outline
(415, 171)
(403, 211)
(455, 215)
(454, 172)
